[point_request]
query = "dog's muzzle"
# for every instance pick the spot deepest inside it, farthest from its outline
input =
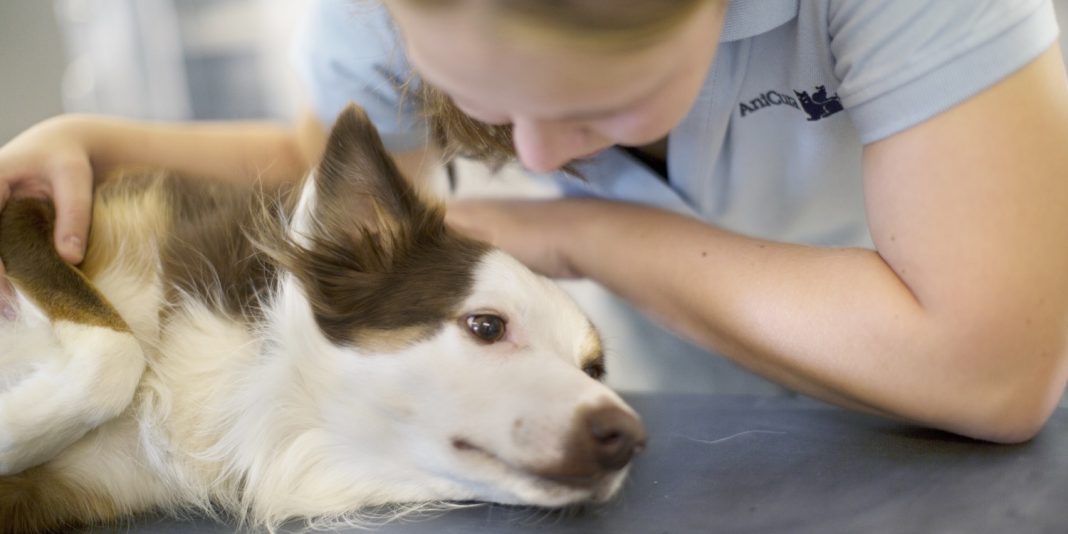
(602, 440)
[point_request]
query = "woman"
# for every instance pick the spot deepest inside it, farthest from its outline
(773, 142)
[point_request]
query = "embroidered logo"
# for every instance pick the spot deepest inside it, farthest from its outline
(767, 99)
(817, 105)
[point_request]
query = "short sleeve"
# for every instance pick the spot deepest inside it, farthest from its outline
(902, 62)
(345, 51)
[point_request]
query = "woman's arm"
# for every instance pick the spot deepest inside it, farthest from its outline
(62, 157)
(971, 211)
(235, 151)
(960, 319)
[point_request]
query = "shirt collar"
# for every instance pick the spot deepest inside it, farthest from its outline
(747, 18)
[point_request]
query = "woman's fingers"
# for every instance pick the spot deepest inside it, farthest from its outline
(529, 230)
(72, 193)
(464, 215)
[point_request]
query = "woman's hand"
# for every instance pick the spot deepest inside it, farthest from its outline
(58, 158)
(538, 233)
(49, 161)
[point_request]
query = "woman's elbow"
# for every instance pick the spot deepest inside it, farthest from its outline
(1019, 395)
(1017, 426)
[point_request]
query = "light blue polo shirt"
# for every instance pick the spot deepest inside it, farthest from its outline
(772, 146)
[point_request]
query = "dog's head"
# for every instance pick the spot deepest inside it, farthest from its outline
(447, 370)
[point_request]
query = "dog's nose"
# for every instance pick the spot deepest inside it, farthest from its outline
(615, 436)
(602, 439)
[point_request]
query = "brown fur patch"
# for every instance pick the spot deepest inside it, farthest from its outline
(130, 218)
(60, 290)
(195, 230)
(37, 500)
(390, 340)
(208, 252)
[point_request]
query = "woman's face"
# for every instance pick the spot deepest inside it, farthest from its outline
(564, 103)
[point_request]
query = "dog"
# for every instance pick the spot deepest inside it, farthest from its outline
(262, 356)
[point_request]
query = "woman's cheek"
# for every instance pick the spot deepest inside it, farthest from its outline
(634, 129)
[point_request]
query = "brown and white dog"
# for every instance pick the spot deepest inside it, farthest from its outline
(280, 360)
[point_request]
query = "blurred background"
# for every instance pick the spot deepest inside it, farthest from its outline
(227, 59)
(162, 59)
(159, 59)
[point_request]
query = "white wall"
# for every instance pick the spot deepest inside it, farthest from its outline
(31, 65)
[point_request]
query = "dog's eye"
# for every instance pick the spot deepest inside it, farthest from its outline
(596, 370)
(486, 327)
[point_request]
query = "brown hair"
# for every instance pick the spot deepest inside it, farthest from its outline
(598, 24)
(613, 25)
(461, 135)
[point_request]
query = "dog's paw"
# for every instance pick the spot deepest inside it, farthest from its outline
(92, 380)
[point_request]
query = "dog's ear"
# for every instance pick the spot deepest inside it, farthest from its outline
(370, 254)
(361, 194)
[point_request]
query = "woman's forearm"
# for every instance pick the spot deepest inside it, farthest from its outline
(229, 151)
(838, 324)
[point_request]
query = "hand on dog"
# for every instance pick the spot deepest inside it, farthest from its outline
(50, 161)
(536, 232)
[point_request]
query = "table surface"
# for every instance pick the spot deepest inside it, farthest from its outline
(774, 464)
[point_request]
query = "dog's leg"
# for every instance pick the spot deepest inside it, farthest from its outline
(69, 360)
(41, 500)
(102, 479)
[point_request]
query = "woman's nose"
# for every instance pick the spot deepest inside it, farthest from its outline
(545, 146)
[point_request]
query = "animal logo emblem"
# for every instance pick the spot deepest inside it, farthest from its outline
(818, 105)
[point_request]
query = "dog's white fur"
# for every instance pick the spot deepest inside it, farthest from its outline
(277, 422)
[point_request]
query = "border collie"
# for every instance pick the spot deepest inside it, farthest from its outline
(263, 356)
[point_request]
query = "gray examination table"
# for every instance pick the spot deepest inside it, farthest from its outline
(778, 464)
